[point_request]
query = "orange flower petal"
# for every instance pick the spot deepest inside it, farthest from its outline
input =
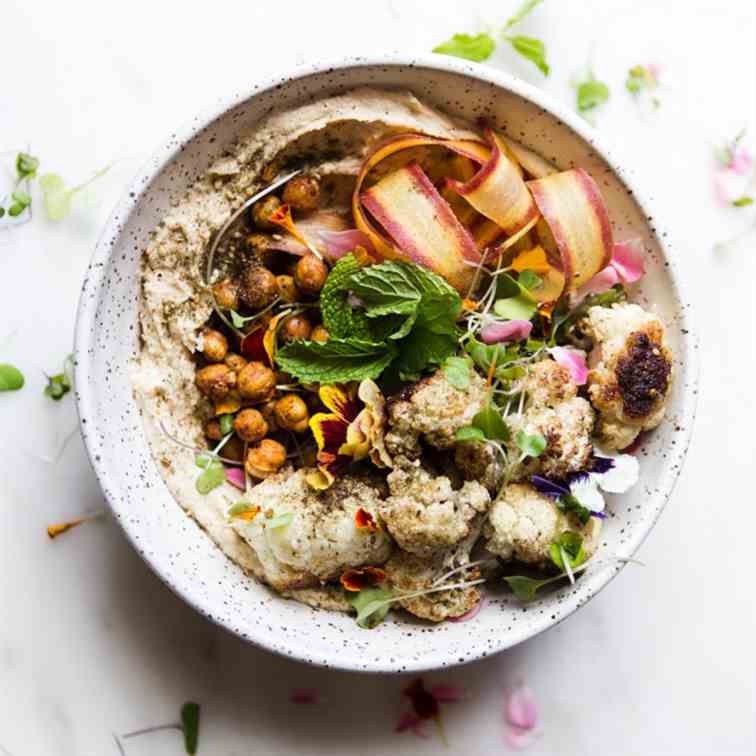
(365, 521)
(269, 339)
(531, 259)
(356, 580)
(55, 530)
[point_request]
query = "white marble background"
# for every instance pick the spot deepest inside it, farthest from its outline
(91, 643)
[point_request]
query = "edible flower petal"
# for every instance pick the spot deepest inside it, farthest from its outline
(236, 477)
(253, 348)
(410, 722)
(367, 577)
(282, 217)
(511, 330)
(448, 693)
(531, 259)
(586, 491)
(626, 266)
(573, 360)
(621, 476)
(364, 520)
(520, 716)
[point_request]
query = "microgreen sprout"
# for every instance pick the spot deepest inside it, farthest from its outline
(199, 450)
(188, 726)
(530, 445)
(59, 385)
(11, 378)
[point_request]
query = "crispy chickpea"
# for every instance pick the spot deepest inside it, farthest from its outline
(295, 328)
(214, 345)
(215, 381)
(265, 459)
(320, 333)
(213, 430)
(235, 361)
(257, 382)
(262, 210)
(250, 426)
(292, 414)
(310, 274)
(233, 449)
(257, 288)
(268, 411)
(302, 193)
(226, 293)
(260, 245)
(287, 289)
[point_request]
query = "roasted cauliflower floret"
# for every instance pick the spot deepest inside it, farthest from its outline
(424, 514)
(479, 461)
(564, 419)
(407, 573)
(522, 524)
(434, 409)
(631, 372)
(322, 539)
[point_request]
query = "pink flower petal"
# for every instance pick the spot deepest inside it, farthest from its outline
(742, 162)
(304, 696)
(573, 360)
(602, 281)
(471, 614)
(337, 244)
(410, 722)
(654, 71)
(236, 477)
(448, 693)
(520, 708)
(520, 739)
(627, 260)
(511, 330)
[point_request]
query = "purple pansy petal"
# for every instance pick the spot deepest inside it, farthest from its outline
(510, 330)
(549, 487)
(600, 515)
(600, 465)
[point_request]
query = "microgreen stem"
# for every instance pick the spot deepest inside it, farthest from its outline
(567, 565)
(461, 568)
(149, 730)
(199, 450)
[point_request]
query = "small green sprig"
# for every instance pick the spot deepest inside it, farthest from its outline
(59, 385)
(480, 47)
(590, 92)
(11, 378)
(26, 169)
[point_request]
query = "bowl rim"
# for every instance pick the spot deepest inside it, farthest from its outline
(169, 148)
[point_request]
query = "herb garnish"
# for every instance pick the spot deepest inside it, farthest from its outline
(188, 727)
(568, 550)
(26, 169)
(57, 198)
(591, 93)
(530, 446)
(642, 79)
(11, 378)
(480, 47)
(59, 385)
(457, 371)
(372, 605)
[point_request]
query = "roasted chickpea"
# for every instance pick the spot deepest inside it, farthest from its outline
(233, 449)
(213, 430)
(215, 381)
(295, 328)
(302, 193)
(262, 210)
(257, 382)
(287, 289)
(260, 245)
(292, 414)
(310, 274)
(226, 294)
(214, 345)
(250, 426)
(268, 411)
(235, 361)
(265, 459)
(257, 288)
(320, 333)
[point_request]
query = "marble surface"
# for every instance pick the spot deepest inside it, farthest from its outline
(91, 643)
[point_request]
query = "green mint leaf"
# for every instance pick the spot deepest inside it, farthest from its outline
(525, 9)
(371, 604)
(26, 166)
(57, 198)
(190, 722)
(11, 378)
(279, 521)
(530, 446)
(529, 279)
(469, 433)
(591, 93)
(533, 50)
(490, 422)
(226, 423)
(423, 349)
(341, 320)
(525, 588)
(477, 48)
(457, 372)
(213, 476)
(337, 360)
(743, 201)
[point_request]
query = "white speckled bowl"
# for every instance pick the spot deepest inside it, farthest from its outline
(171, 543)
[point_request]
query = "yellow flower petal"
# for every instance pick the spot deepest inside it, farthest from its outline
(269, 340)
(531, 259)
(316, 426)
(319, 479)
(335, 398)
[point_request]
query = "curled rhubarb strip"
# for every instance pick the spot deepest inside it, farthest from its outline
(422, 225)
(498, 191)
(578, 221)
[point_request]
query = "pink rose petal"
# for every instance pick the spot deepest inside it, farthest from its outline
(337, 244)
(520, 708)
(573, 360)
(410, 722)
(511, 330)
(471, 614)
(602, 281)
(520, 739)
(627, 260)
(448, 693)
(742, 162)
(304, 696)
(236, 477)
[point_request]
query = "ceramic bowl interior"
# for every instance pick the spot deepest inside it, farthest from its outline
(177, 549)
